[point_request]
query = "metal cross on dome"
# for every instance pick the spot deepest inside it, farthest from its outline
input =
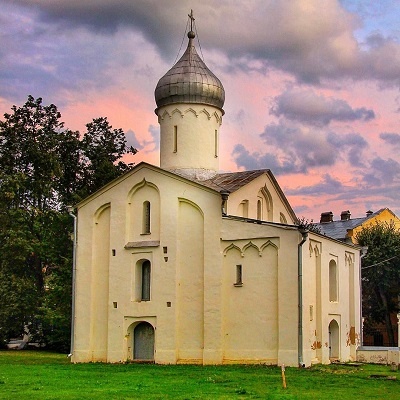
(191, 19)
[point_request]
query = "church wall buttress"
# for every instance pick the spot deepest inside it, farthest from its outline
(100, 283)
(190, 283)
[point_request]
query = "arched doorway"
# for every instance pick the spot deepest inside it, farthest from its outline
(143, 342)
(334, 353)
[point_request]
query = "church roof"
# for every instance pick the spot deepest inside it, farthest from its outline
(232, 181)
(190, 81)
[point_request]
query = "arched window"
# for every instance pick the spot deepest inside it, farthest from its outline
(146, 275)
(259, 209)
(333, 281)
(146, 218)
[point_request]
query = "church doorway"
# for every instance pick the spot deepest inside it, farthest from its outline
(143, 342)
(334, 340)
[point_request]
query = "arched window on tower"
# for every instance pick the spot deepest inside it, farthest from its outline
(216, 144)
(146, 218)
(175, 139)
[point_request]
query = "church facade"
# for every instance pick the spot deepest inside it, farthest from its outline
(183, 264)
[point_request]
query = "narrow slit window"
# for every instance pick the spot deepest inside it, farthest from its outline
(175, 138)
(216, 144)
(146, 218)
(238, 276)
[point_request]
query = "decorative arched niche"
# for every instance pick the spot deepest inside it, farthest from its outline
(143, 212)
(264, 205)
(333, 281)
(243, 209)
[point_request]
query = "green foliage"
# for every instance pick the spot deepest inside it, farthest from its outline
(44, 375)
(55, 311)
(102, 147)
(43, 168)
(18, 299)
(380, 274)
(305, 224)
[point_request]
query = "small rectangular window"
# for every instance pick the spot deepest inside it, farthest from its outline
(238, 276)
(175, 138)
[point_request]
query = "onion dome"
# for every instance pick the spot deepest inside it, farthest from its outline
(190, 81)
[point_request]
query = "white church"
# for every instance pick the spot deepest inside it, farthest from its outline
(184, 264)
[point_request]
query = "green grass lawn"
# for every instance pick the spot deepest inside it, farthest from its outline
(43, 375)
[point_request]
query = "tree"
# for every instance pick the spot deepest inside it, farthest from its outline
(380, 271)
(43, 168)
(28, 164)
(102, 148)
(304, 224)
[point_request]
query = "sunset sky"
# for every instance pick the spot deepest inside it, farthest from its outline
(312, 86)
